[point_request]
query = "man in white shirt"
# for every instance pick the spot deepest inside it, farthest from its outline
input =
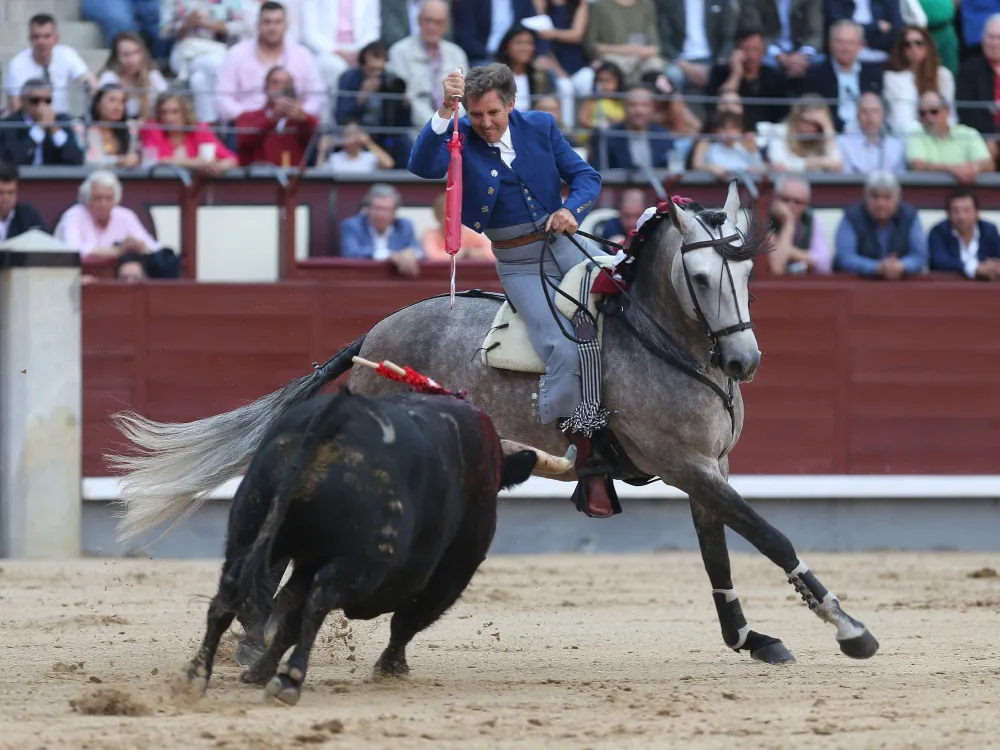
(424, 58)
(54, 63)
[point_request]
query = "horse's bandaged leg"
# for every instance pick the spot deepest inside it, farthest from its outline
(734, 623)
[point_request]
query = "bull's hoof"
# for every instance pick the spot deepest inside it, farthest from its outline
(390, 669)
(773, 653)
(246, 655)
(255, 676)
(194, 680)
(286, 686)
(864, 646)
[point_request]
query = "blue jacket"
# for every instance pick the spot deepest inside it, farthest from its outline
(881, 10)
(472, 23)
(861, 244)
(543, 159)
(358, 241)
(614, 142)
(943, 245)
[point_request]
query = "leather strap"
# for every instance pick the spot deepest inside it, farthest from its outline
(524, 239)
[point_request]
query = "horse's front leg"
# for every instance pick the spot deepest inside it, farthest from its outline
(710, 491)
(735, 630)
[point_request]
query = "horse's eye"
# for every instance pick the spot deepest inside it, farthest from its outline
(700, 279)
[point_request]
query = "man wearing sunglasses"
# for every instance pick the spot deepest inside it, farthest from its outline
(35, 135)
(957, 149)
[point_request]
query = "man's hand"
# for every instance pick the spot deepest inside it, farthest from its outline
(47, 116)
(562, 221)
(406, 262)
(794, 63)
(454, 86)
(892, 268)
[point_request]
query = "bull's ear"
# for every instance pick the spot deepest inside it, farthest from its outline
(732, 206)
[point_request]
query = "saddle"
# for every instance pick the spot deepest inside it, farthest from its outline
(507, 346)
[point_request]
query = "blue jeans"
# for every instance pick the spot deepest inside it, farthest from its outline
(115, 16)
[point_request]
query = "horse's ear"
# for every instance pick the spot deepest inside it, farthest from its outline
(679, 217)
(732, 206)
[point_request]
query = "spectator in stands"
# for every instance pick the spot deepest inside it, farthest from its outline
(637, 142)
(57, 64)
(806, 141)
(475, 246)
(942, 147)
(130, 267)
(551, 104)
(35, 135)
(727, 156)
(625, 32)
(865, 145)
(793, 32)
(974, 20)
(336, 32)
(117, 17)
(746, 75)
(174, 136)
(423, 59)
(281, 131)
(979, 83)
(478, 27)
(562, 45)
(246, 64)
(694, 45)
(631, 206)
(98, 226)
(517, 52)
(131, 66)
(964, 243)
(109, 140)
(728, 103)
(15, 218)
(881, 237)
(671, 111)
(195, 27)
(913, 69)
(374, 97)
(378, 233)
(399, 20)
(842, 76)
(799, 240)
(941, 25)
(358, 153)
(879, 21)
(603, 110)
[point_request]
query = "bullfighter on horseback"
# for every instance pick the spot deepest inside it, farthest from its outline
(512, 167)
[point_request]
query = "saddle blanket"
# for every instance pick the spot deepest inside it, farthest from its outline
(507, 346)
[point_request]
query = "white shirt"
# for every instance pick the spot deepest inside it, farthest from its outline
(66, 67)
(342, 162)
(413, 7)
(5, 225)
(319, 19)
(156, 86)
(968, 253)
(522, 92)
(439, 125)
(695, 40)
(381, 242)
(501, 19)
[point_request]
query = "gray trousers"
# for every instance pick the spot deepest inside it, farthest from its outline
(559, 390)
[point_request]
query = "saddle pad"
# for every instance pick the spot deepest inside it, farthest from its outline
(511, 347)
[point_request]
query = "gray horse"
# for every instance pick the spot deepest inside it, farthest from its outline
(674, 350)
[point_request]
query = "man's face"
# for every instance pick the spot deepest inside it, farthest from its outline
(753, 49)
(489, 116)
(8, 197)
(845, 44)
(933, 113)
(870, 114)
(962, 214)
(881, 204)
(43, 38)
(991, 42)
(381, 212)
(633, 203)
(638, 109)
(271, 27)
(433, 22)
(277, 83)
(795, 195)
(374, 64)
(34, 100)
(131, 272)
(102, 200)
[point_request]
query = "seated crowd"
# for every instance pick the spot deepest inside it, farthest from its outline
(758, 87)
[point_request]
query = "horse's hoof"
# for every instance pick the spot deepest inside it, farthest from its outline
(773, 653)
(247, 655)
(864, 646)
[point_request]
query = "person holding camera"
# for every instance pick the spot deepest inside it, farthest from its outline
(281, 131)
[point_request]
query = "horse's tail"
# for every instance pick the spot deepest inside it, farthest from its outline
(253, 573)
(178, 464)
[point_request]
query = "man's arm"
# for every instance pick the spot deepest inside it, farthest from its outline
(915, 260)
(848, 259)
(226, 86)
(429, 158)
(937, 247)
(353, 243)
(584, 181)
(253, 128)
(64, 147)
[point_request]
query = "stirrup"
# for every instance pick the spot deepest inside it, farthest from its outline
(579, 497)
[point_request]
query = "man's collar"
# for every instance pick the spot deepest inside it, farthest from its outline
(957, 234)
(505, 139)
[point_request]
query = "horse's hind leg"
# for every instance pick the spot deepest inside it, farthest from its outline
(735, 630)
(710, 491)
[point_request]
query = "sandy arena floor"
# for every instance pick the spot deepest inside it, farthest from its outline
(544, 652)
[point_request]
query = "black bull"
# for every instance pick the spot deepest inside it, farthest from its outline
(384, 504)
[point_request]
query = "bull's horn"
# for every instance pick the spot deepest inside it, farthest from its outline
(547, 463)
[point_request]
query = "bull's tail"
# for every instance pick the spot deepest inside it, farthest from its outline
(253, 572)
(178, 464)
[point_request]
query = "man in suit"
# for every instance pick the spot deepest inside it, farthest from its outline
(692, 55)
(399, 20)
(40, 136)
(15, 218)
(793, 32)
(479, 25)
(842, 75)
(880, 21)
(976, 83)
(638, 141)
(964, 243)
(377, 233)
(513, 164)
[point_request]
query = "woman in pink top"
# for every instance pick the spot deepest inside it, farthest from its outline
(475, 246)
(176, 137)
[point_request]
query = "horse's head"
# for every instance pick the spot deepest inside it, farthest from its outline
(710, 258)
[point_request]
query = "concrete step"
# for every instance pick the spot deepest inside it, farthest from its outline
(77, 34)
(19, 11)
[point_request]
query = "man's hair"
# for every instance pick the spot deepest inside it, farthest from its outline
(486, 78)
(847, 23)
(35, 84)
(745, 32)
(272, 70)
(954, 195)
(269, 6)
(882, 179)
(41, 19)
(382, 190)
(9, 172)
(726, 119)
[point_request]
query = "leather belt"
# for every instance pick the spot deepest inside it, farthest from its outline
(524, 239)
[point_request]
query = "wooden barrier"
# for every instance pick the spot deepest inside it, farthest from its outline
(857, 377)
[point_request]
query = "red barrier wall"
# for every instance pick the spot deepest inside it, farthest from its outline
(857, 377)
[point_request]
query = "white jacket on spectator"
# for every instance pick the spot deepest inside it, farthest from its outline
(319, 21)
(899, 89)
(409, 60)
